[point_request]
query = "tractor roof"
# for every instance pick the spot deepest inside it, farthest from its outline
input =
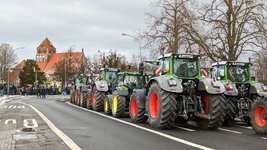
(233, 62)
(110, 69)
(181, 54)
(130, 73)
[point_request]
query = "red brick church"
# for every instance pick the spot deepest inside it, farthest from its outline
(46, 58)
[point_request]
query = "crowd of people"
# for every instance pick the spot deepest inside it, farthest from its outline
(25, 90)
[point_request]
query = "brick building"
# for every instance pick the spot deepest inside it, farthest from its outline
(46, 58)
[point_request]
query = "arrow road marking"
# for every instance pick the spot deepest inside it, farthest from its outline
(149, 130)
(63, 136)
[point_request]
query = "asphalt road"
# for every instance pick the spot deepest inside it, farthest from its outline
(94, 131)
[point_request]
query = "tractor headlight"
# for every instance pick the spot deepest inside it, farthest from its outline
(172, 82)
(228, 87)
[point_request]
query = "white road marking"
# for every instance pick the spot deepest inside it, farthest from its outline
(10, 120)
(12, 106)
(186, 129)
(21, 106)
(149, 130)
(232, 131)
(3, 102)
(243, 127)
(63, 136)
(30, 123)
(265, 138)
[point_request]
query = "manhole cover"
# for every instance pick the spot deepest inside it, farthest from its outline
(27, 130)
(25, 134)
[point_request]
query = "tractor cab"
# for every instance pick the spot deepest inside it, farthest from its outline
(108, 74)
(183, 66)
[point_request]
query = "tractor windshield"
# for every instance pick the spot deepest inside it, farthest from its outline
(238, 73)
(110, 76)
(184, 67)
(134, 81)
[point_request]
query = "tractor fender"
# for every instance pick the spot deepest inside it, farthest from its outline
(101, 86)
(122, 92)
(257, 88)
(228, 92)
(211, 86)
(164, 83)
(141, 97)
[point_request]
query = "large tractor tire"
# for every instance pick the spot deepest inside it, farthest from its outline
(72, 97)
(98, 98)
(231, 110)
(214, 106)
(88, 101)
(259, 116)
(137, 113)
(83, 104)
(107, 106)
(162, 107)
(118, 105)
(76, 97)
(80, 99)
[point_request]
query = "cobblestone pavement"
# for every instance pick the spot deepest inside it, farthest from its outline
(22, 129)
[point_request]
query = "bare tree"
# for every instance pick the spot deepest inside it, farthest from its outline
(231, 27)
(7, 58)
(165, 26)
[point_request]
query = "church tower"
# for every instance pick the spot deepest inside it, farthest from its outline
(44, 50)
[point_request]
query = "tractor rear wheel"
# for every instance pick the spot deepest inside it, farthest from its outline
(84, 100)
(88, 101)
(231, 110)
(98, 98)
(162, 107)
(259, 116)
(107, 108)
(137, 113)
(118, 105)
(214, 106)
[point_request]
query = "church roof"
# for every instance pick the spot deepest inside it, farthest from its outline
(46, 44)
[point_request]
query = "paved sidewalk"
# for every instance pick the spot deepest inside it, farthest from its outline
(22, 129)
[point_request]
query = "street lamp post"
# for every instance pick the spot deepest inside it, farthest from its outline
(139, 43)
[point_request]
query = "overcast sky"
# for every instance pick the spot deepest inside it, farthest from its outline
(89, 24)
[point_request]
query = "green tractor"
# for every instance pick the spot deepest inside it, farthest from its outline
(124, 85)
(243, 93)
(78, 91)
(102, 87)
(90, 82)
(180, 93)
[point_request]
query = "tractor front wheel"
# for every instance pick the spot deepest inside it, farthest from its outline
(118, 105)
(161, 107)
(88, 101)
(214, 106)
(107, 108)
(231, 110)
(259, 116)
(137, 113)
(98, 98)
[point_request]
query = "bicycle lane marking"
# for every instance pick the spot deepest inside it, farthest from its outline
(63, 136)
